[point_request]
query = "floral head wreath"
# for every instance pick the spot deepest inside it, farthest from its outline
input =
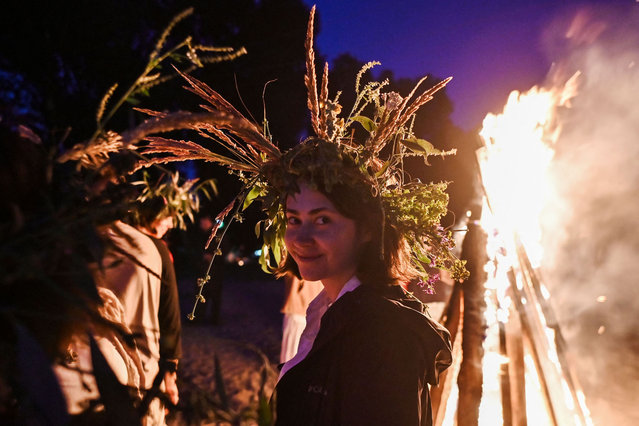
(414, 208)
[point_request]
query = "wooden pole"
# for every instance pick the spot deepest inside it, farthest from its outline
(451, 319)
(538, 354)
(516, 368)
(470, 380)
(552, 322)
(504, 372)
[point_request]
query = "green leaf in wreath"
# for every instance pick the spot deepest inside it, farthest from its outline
(255, 192)
(366, 122)
(264, 259)
(383, 169)
(420, 146)
(425, 148)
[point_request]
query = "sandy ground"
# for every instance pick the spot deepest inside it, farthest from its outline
(246, 342)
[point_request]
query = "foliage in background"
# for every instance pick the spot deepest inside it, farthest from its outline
(94, 152)
(181, 201)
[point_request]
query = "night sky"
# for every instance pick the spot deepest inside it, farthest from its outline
(489, 47)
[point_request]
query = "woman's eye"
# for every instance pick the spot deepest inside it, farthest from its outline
(322, 220)
(292, 220)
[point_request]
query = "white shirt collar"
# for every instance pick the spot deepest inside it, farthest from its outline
(350, 285)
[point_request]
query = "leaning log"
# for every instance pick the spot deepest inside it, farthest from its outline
(470, 380)
(451, 319)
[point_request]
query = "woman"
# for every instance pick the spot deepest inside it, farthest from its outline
(368, 352)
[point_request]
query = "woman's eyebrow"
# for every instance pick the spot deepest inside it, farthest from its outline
(313, 211)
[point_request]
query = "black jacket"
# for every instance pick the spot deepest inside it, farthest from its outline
(369, 365)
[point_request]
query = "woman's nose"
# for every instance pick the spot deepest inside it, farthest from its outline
(303, 235)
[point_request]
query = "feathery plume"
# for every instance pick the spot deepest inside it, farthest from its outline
(310, 79)
(103, 103)
(323, 104)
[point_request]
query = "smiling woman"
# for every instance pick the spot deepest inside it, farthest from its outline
(368, 350)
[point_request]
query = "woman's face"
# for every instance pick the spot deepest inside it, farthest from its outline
(323, 242)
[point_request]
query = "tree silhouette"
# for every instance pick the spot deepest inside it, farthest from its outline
(71, 53)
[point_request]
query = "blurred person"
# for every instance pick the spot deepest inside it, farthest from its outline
(155, 219)
(298, 294)
(132, 270)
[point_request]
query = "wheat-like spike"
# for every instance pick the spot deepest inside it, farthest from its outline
(221, 58)
(165, 122)
(171, 121)
(160, 142)
(150, 112)
(88, 153)
(230, 144)
(143, 164)
(367, 66)
(187, 120)
(165, 34)
(186, 150)
(223, 139)
(243, 128)
(205, 92)
(310, 79)
(204, 48)
(389, 127)
(256, 155)
(218, 220)
(323, 101)
(407, 112)
(422, 99)
(103, 103)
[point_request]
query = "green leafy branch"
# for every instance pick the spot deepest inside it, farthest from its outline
(182, 200)
(151, 76)
(235, 206)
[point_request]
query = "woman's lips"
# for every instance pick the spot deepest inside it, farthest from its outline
(308, 258)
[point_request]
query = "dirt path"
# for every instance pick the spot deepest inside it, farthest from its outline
(246, 343)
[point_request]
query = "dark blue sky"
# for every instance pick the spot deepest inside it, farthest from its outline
(489, 47)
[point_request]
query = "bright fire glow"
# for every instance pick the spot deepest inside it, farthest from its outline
(515, 159)
(514, 163)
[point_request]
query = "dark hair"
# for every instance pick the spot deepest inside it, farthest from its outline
(148, 211)
(385, 259)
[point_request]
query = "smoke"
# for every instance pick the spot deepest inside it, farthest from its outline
(591, 225)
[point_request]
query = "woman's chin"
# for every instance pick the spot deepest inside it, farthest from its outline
(310, 274)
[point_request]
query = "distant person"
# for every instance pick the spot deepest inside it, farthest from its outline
(132, 270)
(154, 218)
(298, 295)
